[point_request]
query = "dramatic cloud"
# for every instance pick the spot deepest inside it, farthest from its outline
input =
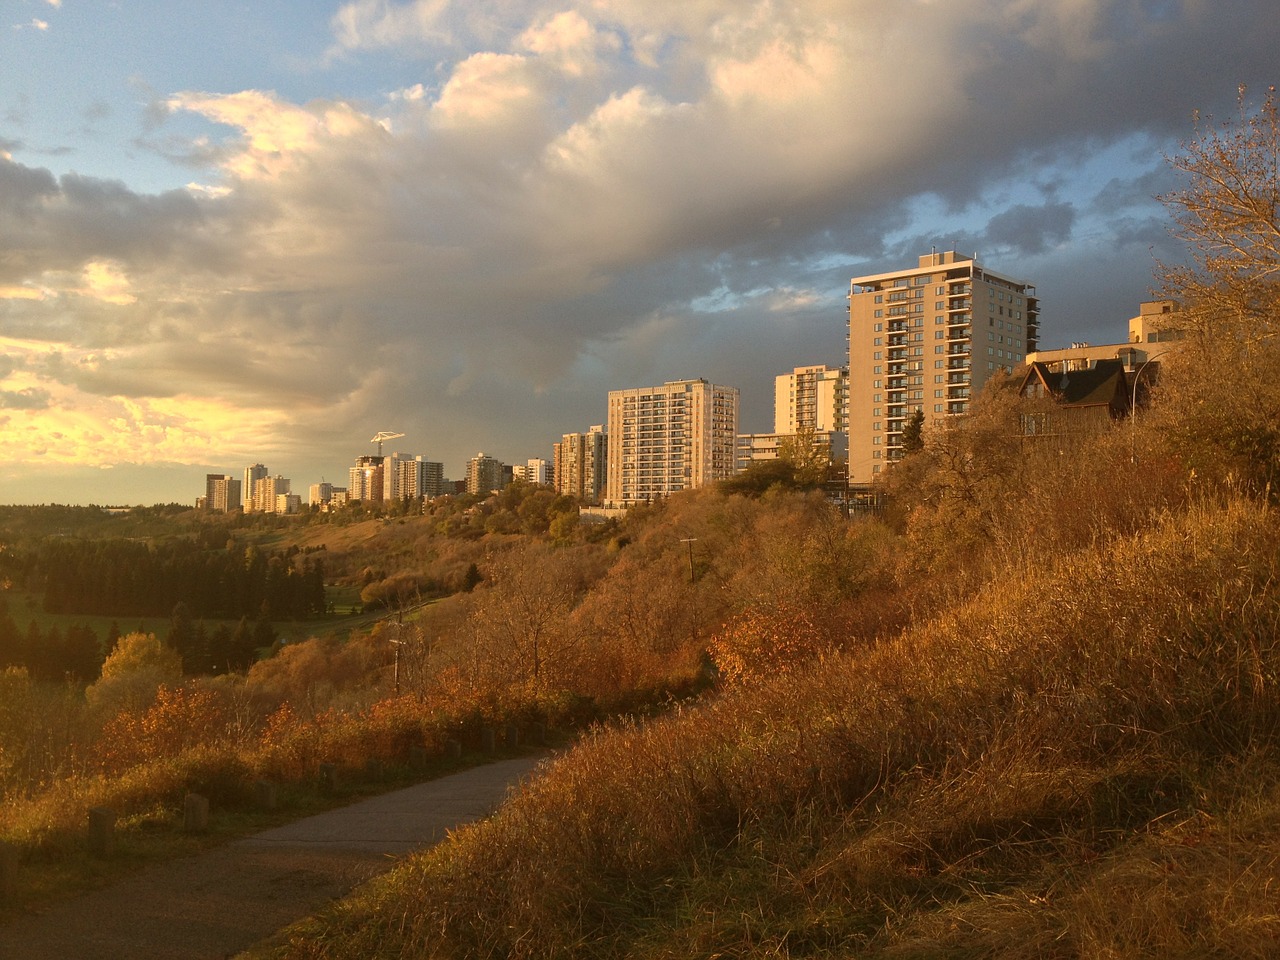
(562, 199)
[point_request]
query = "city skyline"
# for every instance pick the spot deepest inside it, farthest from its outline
(231, 236)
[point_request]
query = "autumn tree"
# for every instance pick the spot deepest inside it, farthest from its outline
(519, 621)
(810, 459)
(1224, 382)
(138, 666)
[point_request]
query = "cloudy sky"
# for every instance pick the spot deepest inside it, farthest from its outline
(235, 232)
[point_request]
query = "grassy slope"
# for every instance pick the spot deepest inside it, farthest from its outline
(1079, 763)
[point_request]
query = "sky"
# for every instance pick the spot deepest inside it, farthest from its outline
(235, 233)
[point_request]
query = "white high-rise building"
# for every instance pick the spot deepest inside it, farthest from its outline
(320, 494)
(405, 477)
(267, 492)
(365, 479)
(927, 339)
(251, 477)
(678, 436)
(537, 470)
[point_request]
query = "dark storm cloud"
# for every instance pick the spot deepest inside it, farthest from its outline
(1024, 230)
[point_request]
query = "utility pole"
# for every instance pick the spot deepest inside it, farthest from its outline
(690, 541)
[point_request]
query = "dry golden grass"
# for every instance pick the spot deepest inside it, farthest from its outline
(1072, 764)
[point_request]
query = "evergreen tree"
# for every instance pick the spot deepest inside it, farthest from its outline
(182, 638)
(242, 650)
(82, 655)
(913, 433)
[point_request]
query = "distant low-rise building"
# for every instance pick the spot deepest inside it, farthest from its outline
(1152, 333)
(759, 447)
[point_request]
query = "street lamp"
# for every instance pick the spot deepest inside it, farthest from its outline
(1133, 406)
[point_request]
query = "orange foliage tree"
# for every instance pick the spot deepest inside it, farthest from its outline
(765, 641)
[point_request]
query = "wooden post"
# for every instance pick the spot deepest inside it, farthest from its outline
(8, 871)
(488, 739)
(195, 814)
(264, 793)
(102, 830)
(329, 776)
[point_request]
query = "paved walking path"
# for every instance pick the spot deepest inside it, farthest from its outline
(221, 902)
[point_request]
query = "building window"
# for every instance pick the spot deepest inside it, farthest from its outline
(879, 298)
(879, 313)
(879, 327)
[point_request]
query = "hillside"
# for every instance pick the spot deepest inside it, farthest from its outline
(1029, 712)
(1079, 765)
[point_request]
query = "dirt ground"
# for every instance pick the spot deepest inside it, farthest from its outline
(221, 902)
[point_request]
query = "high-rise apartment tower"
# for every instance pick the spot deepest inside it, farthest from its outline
(811, 398)
(679, 436)
(928, 338)
(580, 463)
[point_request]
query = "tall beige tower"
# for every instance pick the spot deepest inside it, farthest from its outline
(580, 464)
(928, 338)
(811, 398)
(679, 436)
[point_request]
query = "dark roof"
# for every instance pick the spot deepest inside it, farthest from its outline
(1103, 383)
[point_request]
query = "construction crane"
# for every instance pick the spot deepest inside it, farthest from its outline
(384, 435)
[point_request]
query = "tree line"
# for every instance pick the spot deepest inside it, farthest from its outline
(129, 578)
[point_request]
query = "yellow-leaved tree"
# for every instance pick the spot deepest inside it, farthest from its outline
(1223, 388)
